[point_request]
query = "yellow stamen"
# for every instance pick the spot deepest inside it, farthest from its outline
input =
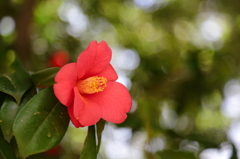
(92, 85)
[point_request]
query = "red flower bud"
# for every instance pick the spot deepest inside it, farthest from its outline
(59, 59)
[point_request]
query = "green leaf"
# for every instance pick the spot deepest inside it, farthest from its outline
(6, 151)
(27, 96)
(89, 150)
(45, 77)
(2, 97)
(167, 154)
(0, 118)
(13, 79)
(234, 153)
(41, 123)
(100, 127)
(9, 111)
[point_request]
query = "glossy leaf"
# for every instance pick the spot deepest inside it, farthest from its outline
(13, 79)
(41, 123)
(6, 151)
(89, 150)
(45, 77)
(100, 127)
(9, 111)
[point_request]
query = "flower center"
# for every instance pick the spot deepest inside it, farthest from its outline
(92, 85)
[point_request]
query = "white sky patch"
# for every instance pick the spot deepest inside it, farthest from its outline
(7, 26)
(156, 144)
(134, 106)
(124, 62)
(150, 5)
(233, 133)
(231, 108)
(223, 153)
(168, 118)
(127, 59)
(71, 12)
(231, 104)
(117, 145)
(122, 78)
(211, 30)
(144, 3)
(188, 145)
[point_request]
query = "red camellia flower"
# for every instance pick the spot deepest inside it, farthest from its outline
(59, 59)
(89, 90)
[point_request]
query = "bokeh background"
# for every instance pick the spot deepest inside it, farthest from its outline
(180, 60)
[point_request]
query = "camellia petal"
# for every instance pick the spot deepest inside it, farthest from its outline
(66, 79)
(115, 101)
(75, 122)
(64, 93)
(85, 111)
(94, 59)
(78, 104)
(68, 73)
(109, 73)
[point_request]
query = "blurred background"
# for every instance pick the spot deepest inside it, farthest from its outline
(180, 60)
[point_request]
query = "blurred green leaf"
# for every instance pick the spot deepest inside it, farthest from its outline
(9, 111)
(41, 124)
(6, 150)
(13, 79)
(234, 153)
(100, 127)
(45, 77)
(2, 97)
(169, 154)
(89, 149)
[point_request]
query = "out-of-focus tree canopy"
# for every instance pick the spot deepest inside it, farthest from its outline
(179, 58)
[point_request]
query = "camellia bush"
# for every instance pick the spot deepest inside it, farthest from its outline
(179, 60)
(36, 108)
